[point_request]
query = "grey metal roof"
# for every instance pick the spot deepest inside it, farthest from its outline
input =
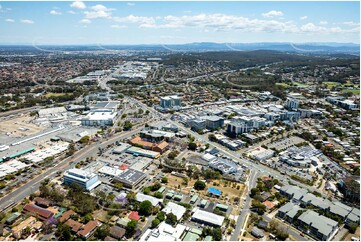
(287, 207)
(321, 223)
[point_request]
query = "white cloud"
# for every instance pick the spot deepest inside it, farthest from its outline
(312, 28)
(100, 7)
(222, 22)
(130, 4)
(97, 14)
(85, 21)
(99, 11)
(78, 5)
(54, 12)
(351, 23)
(71, 12)
(272, 14)
(146, 22)
(117, 26)
(304, 17)
(10, 20)
(26, 21)
(323, 22)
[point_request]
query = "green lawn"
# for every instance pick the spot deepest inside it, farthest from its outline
(354, 91)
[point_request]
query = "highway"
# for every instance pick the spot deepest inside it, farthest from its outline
(33, 185)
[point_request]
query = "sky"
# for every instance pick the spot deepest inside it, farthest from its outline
(93, 22)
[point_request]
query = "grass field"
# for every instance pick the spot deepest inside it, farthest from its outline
(53, 94)
(354, 91)
(298, 84)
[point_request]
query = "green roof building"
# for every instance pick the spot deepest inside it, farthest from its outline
(178, 197)
(194, 199)
(204, 203)
(222, 207)
(170, 194)
(161, 190)
(208, 238)
(196, 231)
(191, 237)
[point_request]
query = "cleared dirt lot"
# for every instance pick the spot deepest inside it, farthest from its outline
(20, 126)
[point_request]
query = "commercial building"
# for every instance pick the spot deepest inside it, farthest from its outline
(204, 217)
(85, 179)
(236, 127)
(158, 147)
(142, 152)
(224, 166)
(261, 154)
(154, 135)
(170, 102)
(213, 122)
(131, 178)
(99, 119)
(102, 107)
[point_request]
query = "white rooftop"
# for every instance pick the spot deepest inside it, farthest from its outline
(176, 209)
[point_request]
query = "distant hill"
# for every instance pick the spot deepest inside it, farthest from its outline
(327, 48)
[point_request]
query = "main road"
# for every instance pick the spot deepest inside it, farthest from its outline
(33, 185)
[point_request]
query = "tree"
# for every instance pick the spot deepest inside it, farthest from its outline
(131, 225)
(155, 187)
(131, 196)
(88, 217)
(158, 195)
(145, 208)
(146, 190)
(118, 185)
(63, 232)
(352, 227)
(102, 232)
(192, 146)
(217, 234)
(155, 222)
(173, 154)
(164, 180)
(199, 185)
(85, 139)
(254, 192)
(127, 125)
(171, 219)
(161, 216)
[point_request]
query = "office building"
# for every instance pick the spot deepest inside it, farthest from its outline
(170, 101)
(85, 179)
(131, 178)
(292, 104)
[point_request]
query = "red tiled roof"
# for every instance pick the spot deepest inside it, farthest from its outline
(43, 213)
(66, 215)
(74, 225)
(89, 228)
(123, 167)
(269, 204)
(134, 216)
